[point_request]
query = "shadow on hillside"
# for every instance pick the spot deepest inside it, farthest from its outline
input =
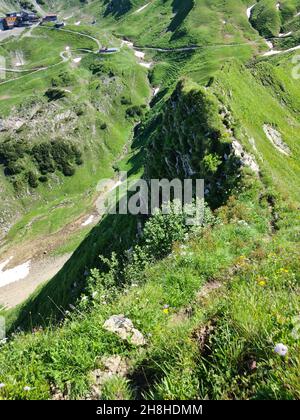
(182, 9)
(114, 233)
(49, 303)
(117, 8)
(144, 377)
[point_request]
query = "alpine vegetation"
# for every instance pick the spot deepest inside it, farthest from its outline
(149, 201)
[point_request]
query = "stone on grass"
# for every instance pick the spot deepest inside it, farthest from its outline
(124, 328)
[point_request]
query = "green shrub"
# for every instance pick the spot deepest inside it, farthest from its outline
(171, 224)
(43, 178)
(43, 155)
(14, 168)
(47, 157)
(11, 151)
(211, 163)
(134, 111)
(125, 101)
(62, 79)
(68, 169)
(55, 93)
(32, 179)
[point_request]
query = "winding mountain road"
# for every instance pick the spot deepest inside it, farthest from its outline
(138, 48)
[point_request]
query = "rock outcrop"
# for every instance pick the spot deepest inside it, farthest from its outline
(124, 328)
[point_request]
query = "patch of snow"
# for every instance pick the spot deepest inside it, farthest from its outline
(77, 23)
(147, 65)
(77, 59)
(141, 8)
(129, 44)
(139, 54)
(274, 52)
(249, 10)
(284, 35)
(269, 44)
(155, 91)
(104, 188)
(14, 274)
(4, 264)
(88, 221)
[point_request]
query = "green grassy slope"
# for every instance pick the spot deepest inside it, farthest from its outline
(186, 135)
(214, 308)
(225, 288)
(92, 97)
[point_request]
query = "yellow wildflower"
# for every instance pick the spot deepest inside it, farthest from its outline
(283, 270)
(262, 283)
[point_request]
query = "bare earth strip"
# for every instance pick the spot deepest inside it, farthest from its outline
(37, 252)
(40, 271)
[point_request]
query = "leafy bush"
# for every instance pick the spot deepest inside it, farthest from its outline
(134, 111)
(57, 155)
(43, 178)
(14, 168)
(43, 157)
(125, 101)
(55, 93)
(47, 157)
(211, 162)
(62, 79)
(32, 179)
(11, 151)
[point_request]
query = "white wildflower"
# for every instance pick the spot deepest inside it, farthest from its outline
(281, 349)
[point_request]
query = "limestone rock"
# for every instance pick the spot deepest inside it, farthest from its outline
(124, 328)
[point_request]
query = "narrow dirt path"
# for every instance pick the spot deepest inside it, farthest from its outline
(78, 33)
(62, 55)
